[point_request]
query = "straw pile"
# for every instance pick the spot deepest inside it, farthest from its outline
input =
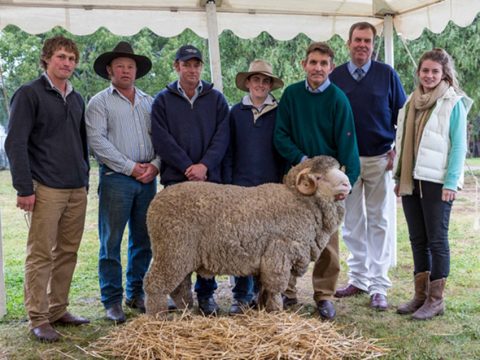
(256, 335)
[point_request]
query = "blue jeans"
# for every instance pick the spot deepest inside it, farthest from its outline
(245, 289)
(428, 218)
(122, 200)
(205, 287)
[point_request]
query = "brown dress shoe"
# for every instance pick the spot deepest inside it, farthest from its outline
(326, 309)
(347, 291)
(45, 333)
(69, 319)
(116, 314)
(378, 302)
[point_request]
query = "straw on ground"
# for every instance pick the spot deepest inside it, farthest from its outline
(255, 335)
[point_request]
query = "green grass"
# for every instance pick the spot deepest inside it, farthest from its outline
(473, 161)
(456, 335)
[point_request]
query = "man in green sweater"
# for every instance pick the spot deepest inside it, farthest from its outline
(315, 118)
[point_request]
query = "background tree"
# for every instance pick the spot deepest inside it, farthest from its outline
(19, 54)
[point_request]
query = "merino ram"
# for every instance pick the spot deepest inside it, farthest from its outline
(271, 231)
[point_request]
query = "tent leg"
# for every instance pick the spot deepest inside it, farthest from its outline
(213, 45)
(388, 39)
(3, 298)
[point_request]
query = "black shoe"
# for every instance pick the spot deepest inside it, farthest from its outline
(289, 302)
(241, 307)
(136, 303)
(208, 306)
(116, 314)
(326, 309)
(171, 305)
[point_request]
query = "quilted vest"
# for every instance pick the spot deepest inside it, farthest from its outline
(432, 158)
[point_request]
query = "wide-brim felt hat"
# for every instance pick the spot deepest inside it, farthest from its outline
(123, 49)
(258, 67)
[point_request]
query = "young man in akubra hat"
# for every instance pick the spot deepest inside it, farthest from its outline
(251, 157)
(118, 132)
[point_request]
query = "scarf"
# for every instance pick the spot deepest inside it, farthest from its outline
(418, 111)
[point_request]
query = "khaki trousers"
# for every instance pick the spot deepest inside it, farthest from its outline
(325, 273)
(57, 223)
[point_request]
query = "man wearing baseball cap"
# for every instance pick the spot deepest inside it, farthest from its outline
(118, 132)
(190, 134)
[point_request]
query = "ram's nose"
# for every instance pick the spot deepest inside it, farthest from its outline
(346, 187)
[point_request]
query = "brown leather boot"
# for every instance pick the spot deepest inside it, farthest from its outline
(434, 304)
(421, 291)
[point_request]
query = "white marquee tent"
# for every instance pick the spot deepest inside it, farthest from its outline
(283, 19)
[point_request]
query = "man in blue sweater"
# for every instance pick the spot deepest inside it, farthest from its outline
(375, 94)
(190, 134)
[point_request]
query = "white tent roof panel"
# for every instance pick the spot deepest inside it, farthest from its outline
(283, 19)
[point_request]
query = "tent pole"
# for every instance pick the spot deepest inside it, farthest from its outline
(3, 298)
(213, 45)
(388, 39)
(391, 199)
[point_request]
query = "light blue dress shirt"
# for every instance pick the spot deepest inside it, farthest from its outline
(352, 68)
(320, 89)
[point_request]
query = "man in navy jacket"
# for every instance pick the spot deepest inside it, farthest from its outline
(47, 149)
(251, 158)
(190, 134)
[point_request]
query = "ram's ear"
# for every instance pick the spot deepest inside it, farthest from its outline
(343, 168)
(305, 182)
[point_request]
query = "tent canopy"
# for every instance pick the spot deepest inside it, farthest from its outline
(283, 19)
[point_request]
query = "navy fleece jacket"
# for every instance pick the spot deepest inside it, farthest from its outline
(251, 158)
(47, 140)
(184, 134)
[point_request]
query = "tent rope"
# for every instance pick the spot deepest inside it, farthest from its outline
(402, 39)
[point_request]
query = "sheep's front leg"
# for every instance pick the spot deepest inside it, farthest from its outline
(270, 301)
(155, 295)
(275, 267)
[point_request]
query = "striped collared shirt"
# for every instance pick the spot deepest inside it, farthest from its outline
(119, 132)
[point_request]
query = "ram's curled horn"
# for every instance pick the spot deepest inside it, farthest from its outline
(306, 183)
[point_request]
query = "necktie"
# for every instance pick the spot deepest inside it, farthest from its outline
(359, 74)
